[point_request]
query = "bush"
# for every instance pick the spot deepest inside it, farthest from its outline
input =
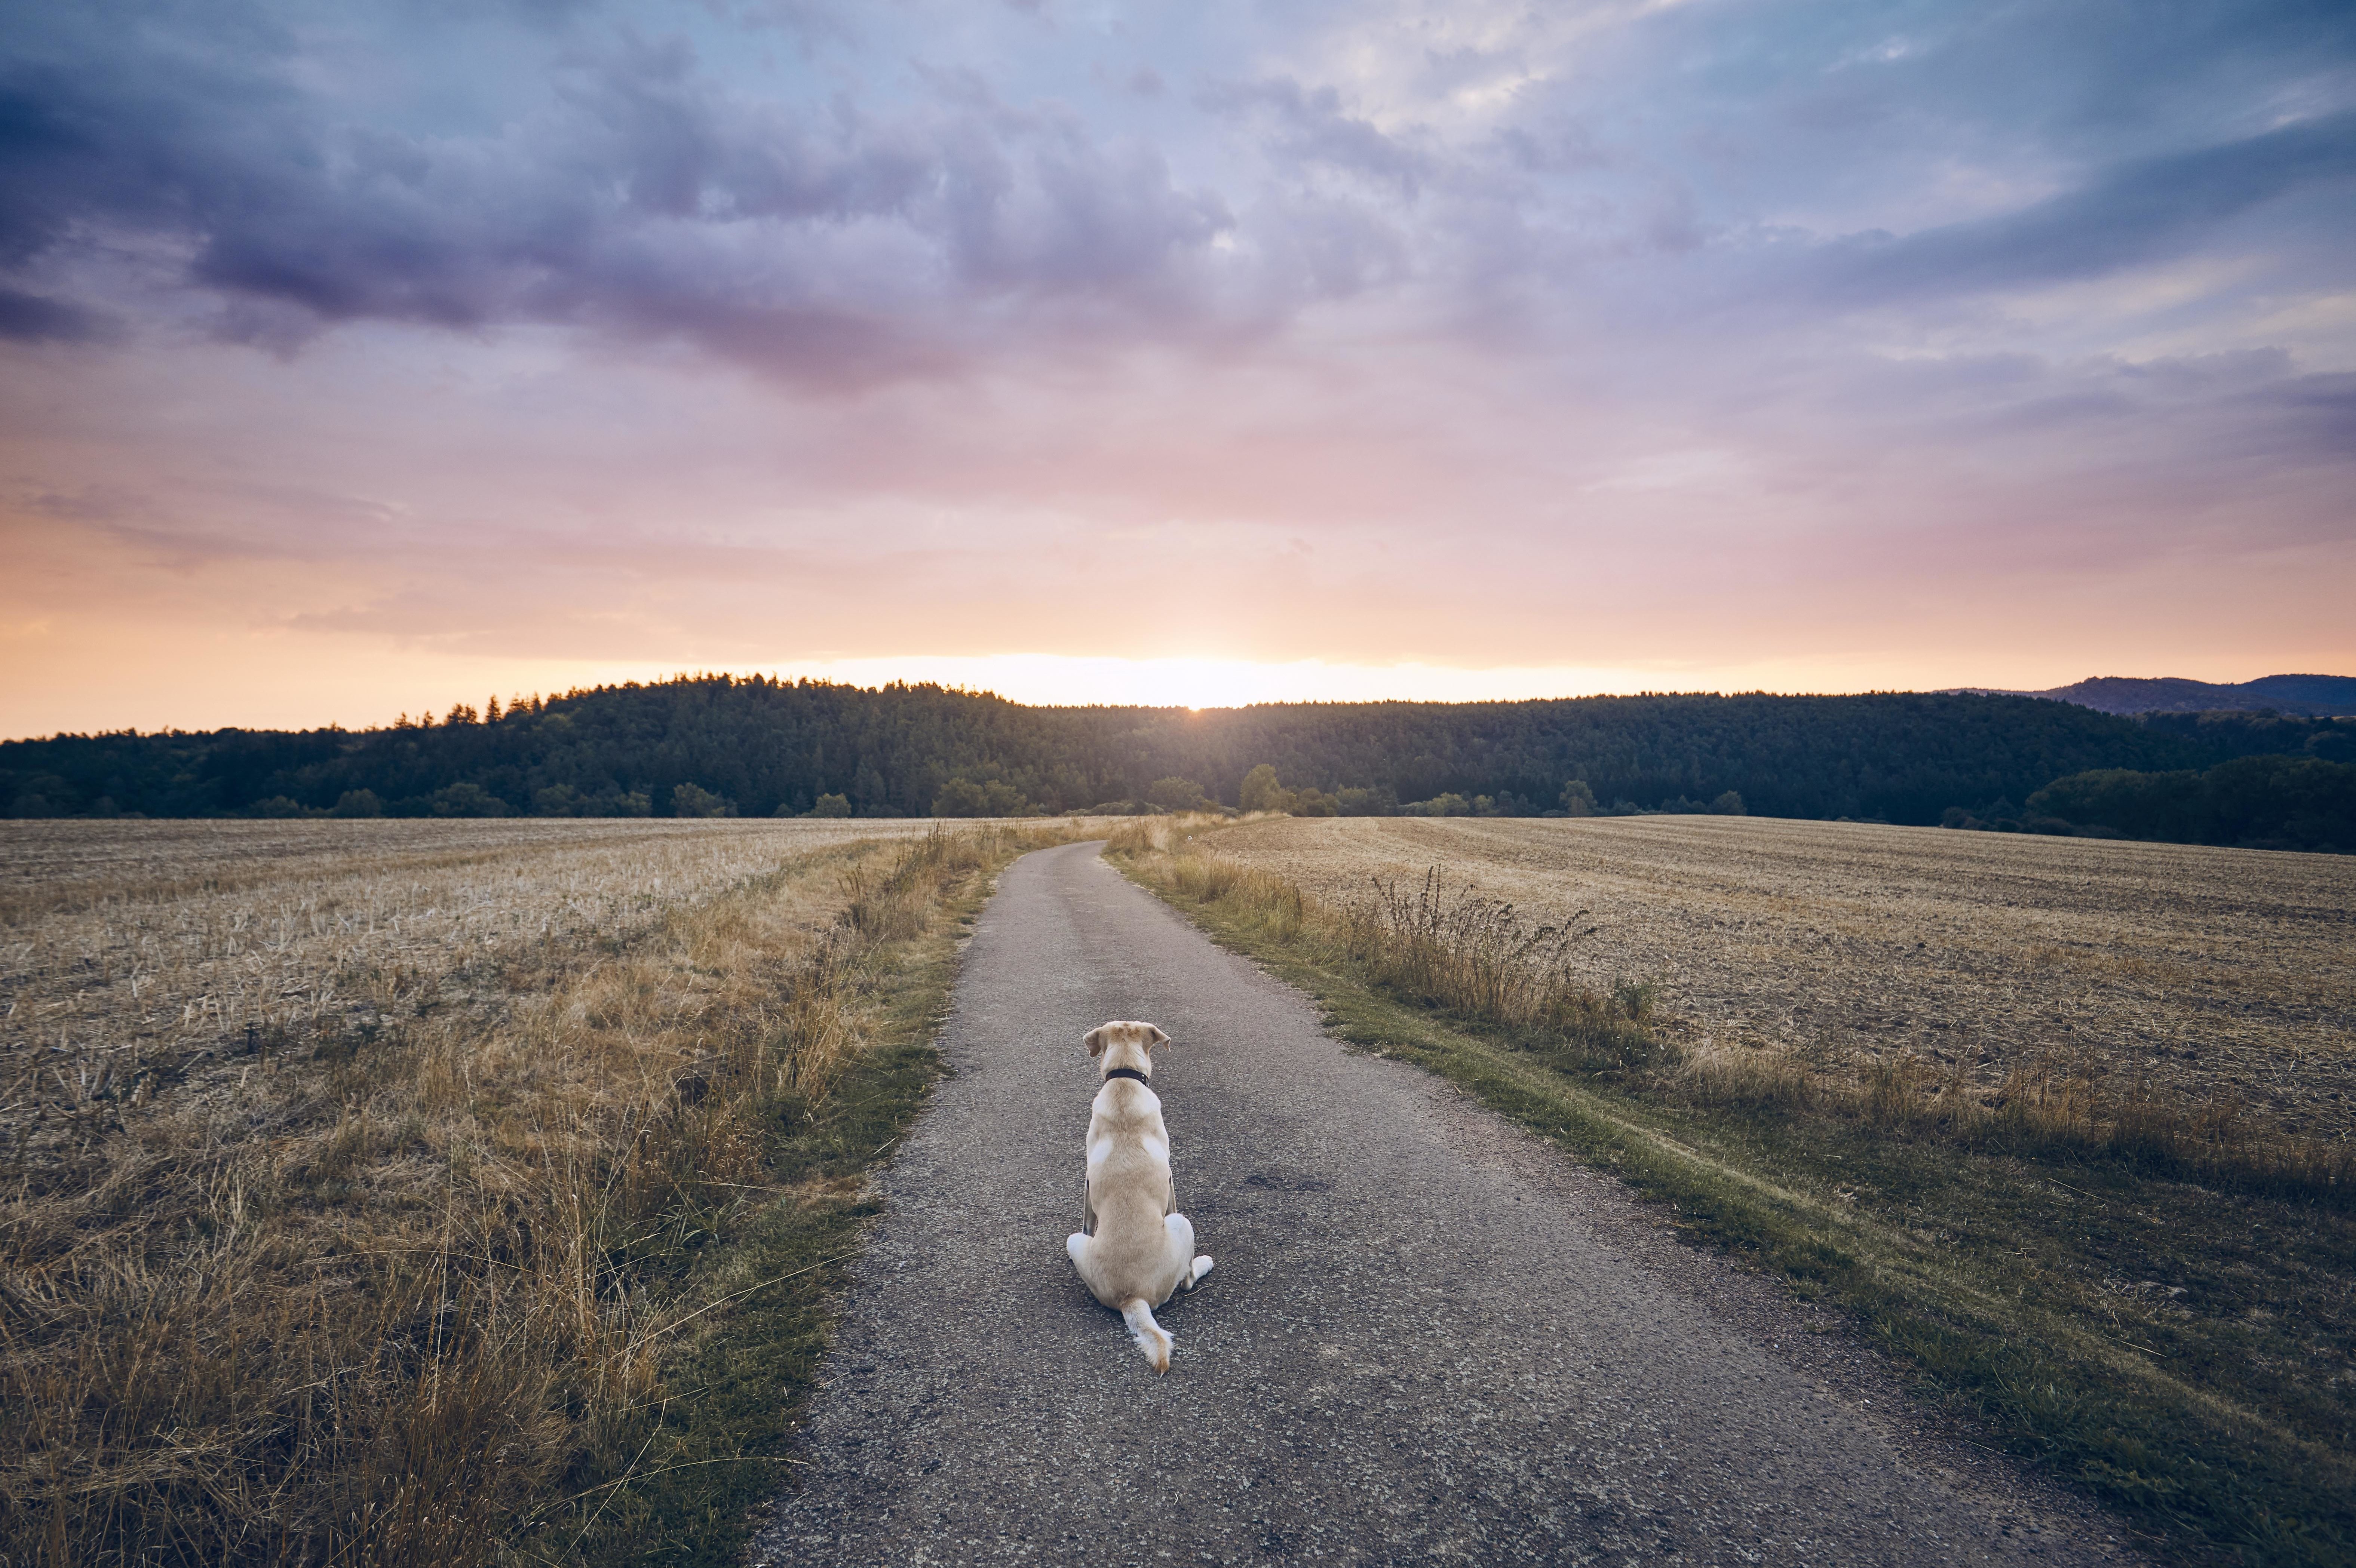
(829, 806)
(1447, 804)
(465, 800)
(358, 802)
(1728, 804)
(694, 800)
(1261, 792)
(556, 800)
(975, 797)
(1578, 800)
(1313, 802)
(1182, 794)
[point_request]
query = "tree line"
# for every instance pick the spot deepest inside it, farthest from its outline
(716, 745)
(2261, 803)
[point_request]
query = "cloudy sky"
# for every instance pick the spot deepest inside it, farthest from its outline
(362, 356)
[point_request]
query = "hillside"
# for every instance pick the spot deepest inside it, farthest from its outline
(2312, 694)
(760, 747)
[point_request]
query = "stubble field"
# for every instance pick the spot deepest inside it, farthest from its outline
(2061, 1124)
(368, 1190)
(136, 953)
(2201, 974)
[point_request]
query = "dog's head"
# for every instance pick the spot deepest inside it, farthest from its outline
(1124, 1045)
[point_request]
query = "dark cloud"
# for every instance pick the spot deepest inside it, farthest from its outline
(638, 193)
(30, 318)
(2149, 209)
(865, 211)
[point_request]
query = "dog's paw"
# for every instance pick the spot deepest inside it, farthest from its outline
(1202, 1267)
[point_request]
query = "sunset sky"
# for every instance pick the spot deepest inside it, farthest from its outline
(361, 357)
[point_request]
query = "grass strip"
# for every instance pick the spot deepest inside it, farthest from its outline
(2175, 1349)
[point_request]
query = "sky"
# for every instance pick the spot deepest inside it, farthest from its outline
(362, 357)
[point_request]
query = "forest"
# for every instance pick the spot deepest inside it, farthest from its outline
(2261, 801)
(717, 745)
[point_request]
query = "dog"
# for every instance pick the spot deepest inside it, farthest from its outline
(1134, 1250)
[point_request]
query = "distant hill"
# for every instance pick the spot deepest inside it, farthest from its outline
(2315, 696)
(757, 747)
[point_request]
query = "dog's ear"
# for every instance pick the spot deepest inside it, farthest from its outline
(1159, 1038)
(1095, 1040)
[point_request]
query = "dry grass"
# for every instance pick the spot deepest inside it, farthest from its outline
(2209, 982)
(2145, 1292)
(1456, 947)
(353, 1169)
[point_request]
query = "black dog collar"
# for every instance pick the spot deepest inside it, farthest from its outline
(1125, 1072)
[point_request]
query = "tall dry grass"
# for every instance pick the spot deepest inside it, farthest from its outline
(1476, 958)
(2032, 1248)
(399, 1286)
(1453, 949)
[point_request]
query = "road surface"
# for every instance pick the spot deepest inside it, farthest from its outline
(1430, 1338)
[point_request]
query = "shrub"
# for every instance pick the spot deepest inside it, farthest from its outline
(1182, 794)
(1261, 792)
(830, 806)
(693, 800)
(1578, 800)
(975, 797)
(1314, 802)
(465, 800)
(556, 800)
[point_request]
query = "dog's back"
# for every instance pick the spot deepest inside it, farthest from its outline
(1137, 1249)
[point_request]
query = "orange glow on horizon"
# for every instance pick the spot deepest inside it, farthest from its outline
(252, 684)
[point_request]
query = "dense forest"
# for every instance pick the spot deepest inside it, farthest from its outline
(717, 745)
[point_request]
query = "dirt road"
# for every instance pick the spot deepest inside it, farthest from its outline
(1429, 1340)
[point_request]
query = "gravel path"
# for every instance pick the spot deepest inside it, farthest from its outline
(1430, 1338)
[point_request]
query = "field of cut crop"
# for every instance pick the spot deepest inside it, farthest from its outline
(2063, 1123)
(369, 1189)
(136, 952)
(2196, 973)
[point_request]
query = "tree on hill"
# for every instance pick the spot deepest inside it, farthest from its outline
(772, 747)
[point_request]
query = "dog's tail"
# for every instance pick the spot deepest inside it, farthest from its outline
(1151, 1337)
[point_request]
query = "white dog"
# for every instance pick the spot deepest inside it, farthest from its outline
(1135, 1248)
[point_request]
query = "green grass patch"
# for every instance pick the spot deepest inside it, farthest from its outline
(2172, 1340)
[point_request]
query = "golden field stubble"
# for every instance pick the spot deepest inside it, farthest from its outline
(272, 1086)
(127, 945)
(2200, 972)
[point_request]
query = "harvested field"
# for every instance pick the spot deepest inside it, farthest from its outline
(2089, 1250)
(2201, 974)
(137, 952)
(370, 1185)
